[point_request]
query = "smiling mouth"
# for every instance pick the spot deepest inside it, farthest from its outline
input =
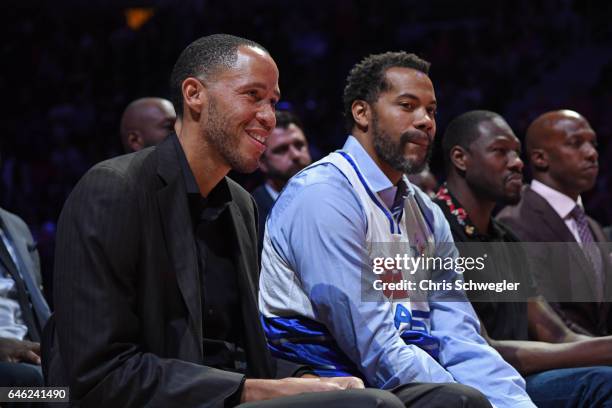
(259, 138)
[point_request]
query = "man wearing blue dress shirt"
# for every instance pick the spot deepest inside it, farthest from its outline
(323, 235)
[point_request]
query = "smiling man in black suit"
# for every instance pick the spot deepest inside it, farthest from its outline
(156, 263)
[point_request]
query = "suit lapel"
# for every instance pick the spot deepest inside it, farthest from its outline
(41, 308)
(178, 233)
(6, 260)
(258, 359)
(24, 287)
(561, 233)
(550, 216)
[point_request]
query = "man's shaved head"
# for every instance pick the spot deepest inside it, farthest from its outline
(146, 122)
(540, 130)
(561, 146)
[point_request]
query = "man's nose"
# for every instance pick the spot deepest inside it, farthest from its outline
(294, 153)
(266, 116)
(424, 121)
(591, 153)
(515, 162)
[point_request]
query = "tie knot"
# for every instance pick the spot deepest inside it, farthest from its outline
(398, 202)
(402, 189)
(577, 213)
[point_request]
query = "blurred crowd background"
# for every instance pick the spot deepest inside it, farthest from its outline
(69, 68)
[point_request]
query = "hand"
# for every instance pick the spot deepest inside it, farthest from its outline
(17, 351)
(344, 382)
(257, 390)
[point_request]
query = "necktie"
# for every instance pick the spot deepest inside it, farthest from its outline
(22, 294)
(397, 208)
(590, 249)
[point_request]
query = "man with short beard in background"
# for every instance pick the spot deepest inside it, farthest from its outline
(286, 154)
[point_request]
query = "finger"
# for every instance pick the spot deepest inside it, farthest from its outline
(347, 382)
(339, 381)
(330, 386)
(35, 347)
(30, 357)
(355, 383)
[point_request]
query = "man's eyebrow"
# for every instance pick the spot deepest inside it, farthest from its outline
(506, 139)
(261, 85)
(408, 95)
(413, 96)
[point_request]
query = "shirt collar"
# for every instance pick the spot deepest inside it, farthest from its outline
(377, 180)
(190, 183)
(273, 193)
(218, 198)
(461, 217)
(561, 203)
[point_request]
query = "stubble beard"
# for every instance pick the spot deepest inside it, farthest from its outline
(225, 143)
(392, 153)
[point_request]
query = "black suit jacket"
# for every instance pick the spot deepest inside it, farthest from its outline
(127, 289)
(264, 203)
(564, 268)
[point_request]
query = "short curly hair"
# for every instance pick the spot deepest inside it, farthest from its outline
(366, 80)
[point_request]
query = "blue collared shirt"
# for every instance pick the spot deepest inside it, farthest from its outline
(318, 228)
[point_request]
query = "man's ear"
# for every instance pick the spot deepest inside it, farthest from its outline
(135, 140)
(459, 157)
(195, 96)
(539, 159)
(362, 113)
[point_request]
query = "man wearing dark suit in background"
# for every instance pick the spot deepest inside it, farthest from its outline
(561, 147)
(286, 154)
(156, 263)
(23, 309)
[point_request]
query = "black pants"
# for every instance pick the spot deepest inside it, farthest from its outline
(20, 375)
(417, 395)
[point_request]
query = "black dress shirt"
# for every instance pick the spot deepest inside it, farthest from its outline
(222, 320)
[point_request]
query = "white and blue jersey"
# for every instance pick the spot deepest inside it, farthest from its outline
(317, 301)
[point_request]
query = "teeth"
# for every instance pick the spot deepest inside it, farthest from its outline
(258, 138)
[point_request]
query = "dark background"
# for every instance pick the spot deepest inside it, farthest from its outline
(69, 68)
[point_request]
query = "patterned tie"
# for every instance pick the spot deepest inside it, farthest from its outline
(590, 249)
(397, 209)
